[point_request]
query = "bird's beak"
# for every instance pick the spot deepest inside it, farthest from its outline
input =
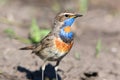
(77, 15)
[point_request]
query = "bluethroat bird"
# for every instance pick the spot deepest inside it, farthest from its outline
(58, 42)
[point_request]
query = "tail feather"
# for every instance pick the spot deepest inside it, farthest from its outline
(27, 48)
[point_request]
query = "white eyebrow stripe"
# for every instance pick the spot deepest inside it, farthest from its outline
(66, 13)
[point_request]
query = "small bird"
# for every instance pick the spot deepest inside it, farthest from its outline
(58, 42)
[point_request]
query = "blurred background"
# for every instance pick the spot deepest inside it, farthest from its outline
(95, 54)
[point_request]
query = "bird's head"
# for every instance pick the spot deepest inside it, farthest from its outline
(63, 23)
(66, 19)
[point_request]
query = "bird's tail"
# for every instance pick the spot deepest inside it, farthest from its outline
(27, 48)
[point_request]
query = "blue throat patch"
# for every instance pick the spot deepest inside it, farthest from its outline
(69, 22)
(67, 35)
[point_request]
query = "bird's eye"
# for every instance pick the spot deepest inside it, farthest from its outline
(66, 15)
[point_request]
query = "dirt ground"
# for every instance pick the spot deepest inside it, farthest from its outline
(80, 64)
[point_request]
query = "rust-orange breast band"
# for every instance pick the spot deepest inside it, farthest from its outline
(62, 46)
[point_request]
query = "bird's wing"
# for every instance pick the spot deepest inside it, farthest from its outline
(44, 43)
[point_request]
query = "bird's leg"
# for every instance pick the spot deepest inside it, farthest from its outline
(43, 69)
(56, 69)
